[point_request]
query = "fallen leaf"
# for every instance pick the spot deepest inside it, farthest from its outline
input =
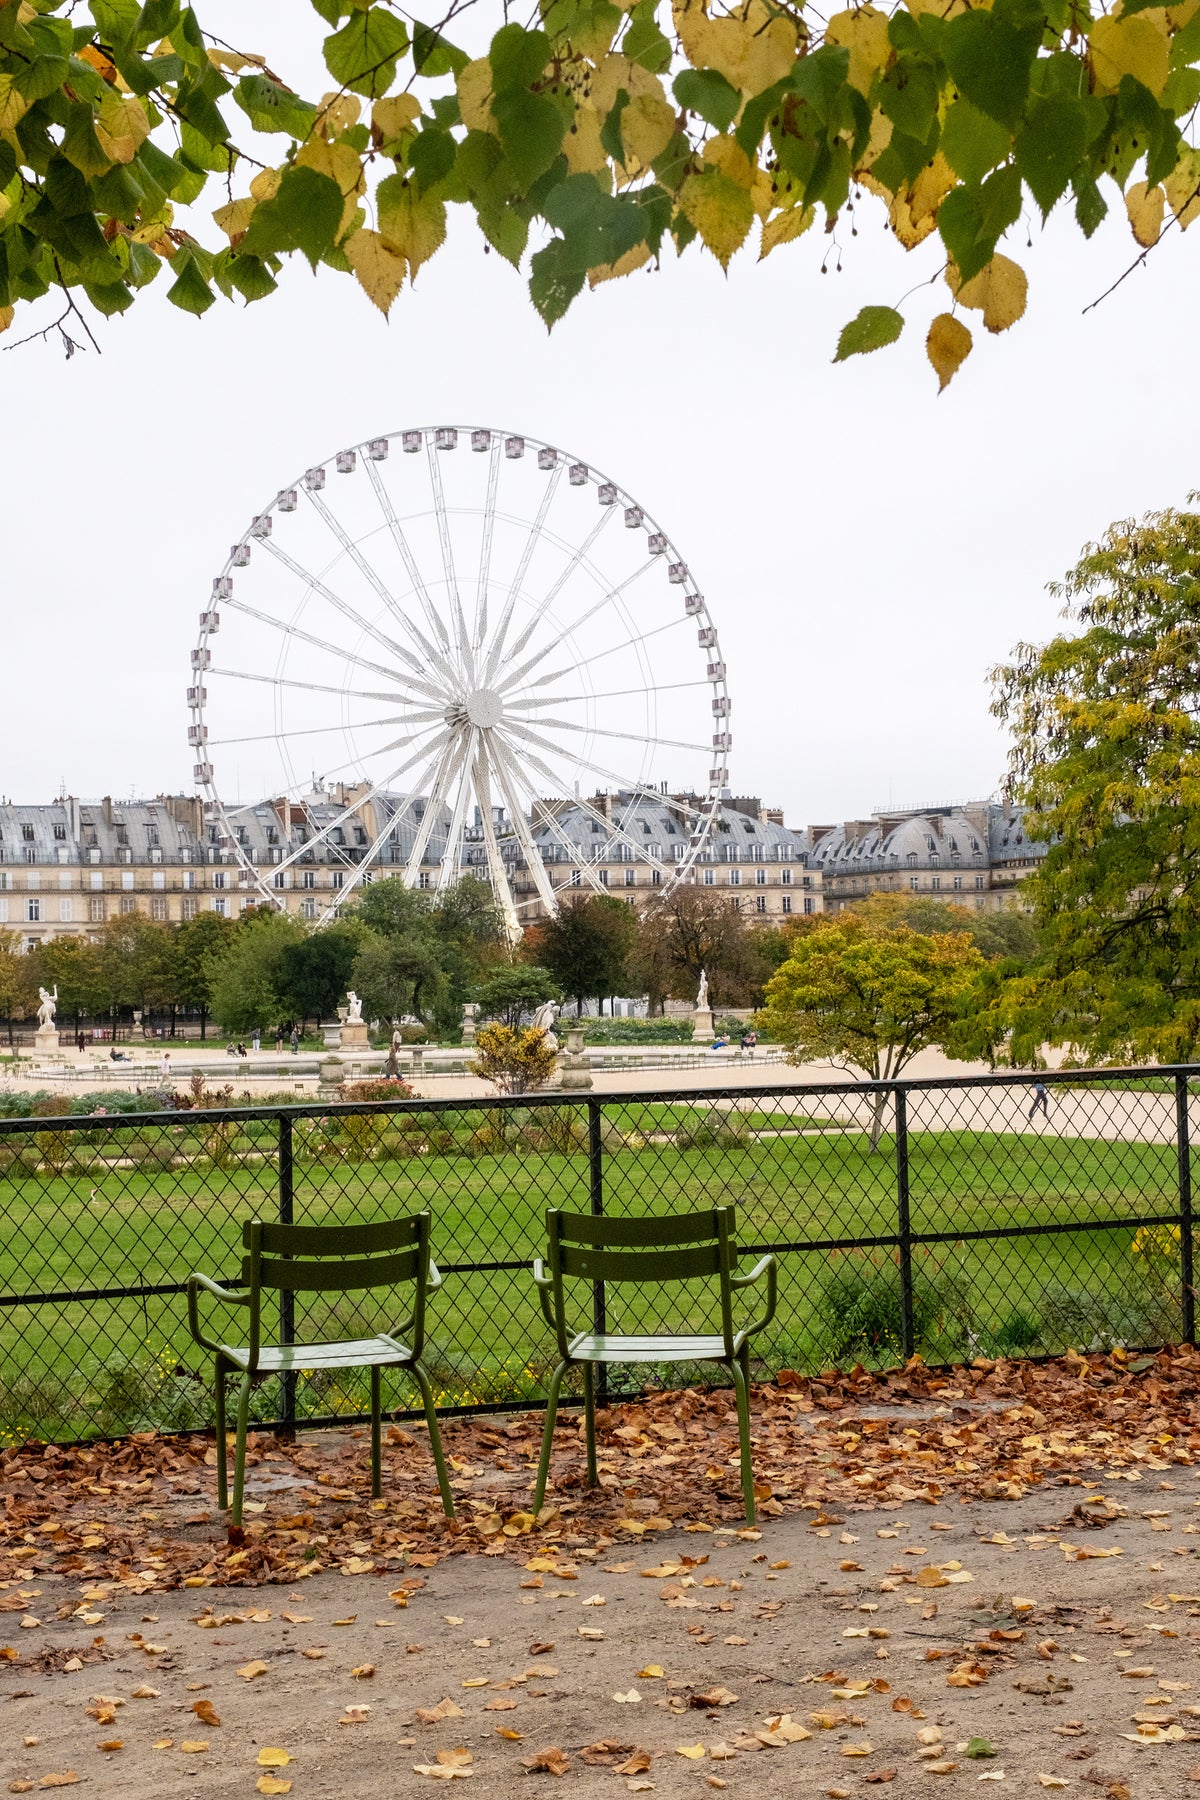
(651, 1672)
(445, 1709)
(271, 1784)
(694, 1752)
(206, 1712)
(632, 1698)
(269, 1758)
(251, 1670)
(194, 1746)
(364, 1672)
(550, 1761)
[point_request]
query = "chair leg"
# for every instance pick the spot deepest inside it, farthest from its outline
(239, 1455)
(376, 1462)
(589, 1420)
(222, 1449)
(435, 1438)
(741, 1382)
(539, 1492)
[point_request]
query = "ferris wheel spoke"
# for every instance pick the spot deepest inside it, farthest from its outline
(448, 766)
(307, 637)
(371, 575)
(436, 622)
(613, 831)
(565, 633)
(531, 539)
(311, 687)
(664, 687)
(339, 605)
(631, 643)
(639, 790)
(447, 548)
(485, 548)
(349, 812)
(495, 861)
(605, 731)
(580, 556)
(533, 862)
(451, 864)
(300, 731)
(548, 818)
(382, 837)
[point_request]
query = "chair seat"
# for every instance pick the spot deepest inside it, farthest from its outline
(357, 1353)
(604, 1347)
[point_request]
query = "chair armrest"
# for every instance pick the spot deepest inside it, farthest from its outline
(434, 1279)
(545, 1288)
(766, 1265)
(195, 1284)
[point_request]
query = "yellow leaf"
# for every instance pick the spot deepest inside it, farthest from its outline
(1146, 207)
(865, 34)
(474, 85)
(519, 1524)
(1183, 188)
(720, 210)
(273, 1759)
(121, 125)
(752, 47)
(341, 164)
(193, 1746)
(651, 1672)
(1136, 46)
(7, 315)
(13, 104)
(647, 127)
(947, 346)
(784, 228)
(693, 1752)
(249, 1671)
(392, 117)
(726, 154)
(380, 272)
(412, 226)
(234, 218)
(582, 148)
(265, 184)
(234, 61)
(271, 1784)
(637, 258)
(338, 113)
(998, 291)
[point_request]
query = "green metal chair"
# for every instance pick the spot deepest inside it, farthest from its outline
(330, 1259)
(687, 1247)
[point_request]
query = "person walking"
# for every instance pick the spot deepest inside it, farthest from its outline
(279, 1040)
(164, 1067)
(1039, 1100)
(295, 1041)
(256, 1041)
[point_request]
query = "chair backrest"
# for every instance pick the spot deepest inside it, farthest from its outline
(341, 1259)
(670, 1247)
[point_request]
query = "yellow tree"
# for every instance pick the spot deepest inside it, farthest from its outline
(866, 992)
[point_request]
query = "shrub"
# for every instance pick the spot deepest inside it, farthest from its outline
(1082, 1320)
(384, 1087)
(862, 1305)
(632, 1031)
(1019, 1332)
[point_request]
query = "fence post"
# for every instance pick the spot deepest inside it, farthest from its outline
(1183, 1151)
(903, 1223)
(287, 1300)
(596, 1188)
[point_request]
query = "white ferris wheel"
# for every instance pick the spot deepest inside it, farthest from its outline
(459, 642)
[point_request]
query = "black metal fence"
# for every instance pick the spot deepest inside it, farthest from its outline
(998, 1215)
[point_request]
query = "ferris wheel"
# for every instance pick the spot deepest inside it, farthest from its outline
(454, 650)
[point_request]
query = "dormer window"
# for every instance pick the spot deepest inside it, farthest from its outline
(27, 833)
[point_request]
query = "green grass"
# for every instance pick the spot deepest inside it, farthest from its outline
(72, 1367)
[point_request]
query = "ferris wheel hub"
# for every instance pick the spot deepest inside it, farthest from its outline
(483, 708)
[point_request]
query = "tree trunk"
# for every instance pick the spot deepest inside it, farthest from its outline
(878, 1110)
(203, 1022)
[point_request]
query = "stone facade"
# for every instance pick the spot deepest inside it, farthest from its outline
(974, 855)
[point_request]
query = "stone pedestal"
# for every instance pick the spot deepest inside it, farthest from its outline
(354, 1035)
(575, 1069)
(417, 1062)
(45, 1044)
(702, 1025)
(470, 1019)
(331, 1073)
(332, 1035)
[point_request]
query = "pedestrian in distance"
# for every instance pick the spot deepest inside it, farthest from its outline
(279, 1040)
(295, 1041)
(1039, 1100)
(164, 1066)
(256, 1041)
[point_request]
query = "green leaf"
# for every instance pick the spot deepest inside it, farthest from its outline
(250, 276)
(611, 141)
(979, 1747)
(270, 106)
(41, 77)
(434, 55)
(971, 142)
(1090, 204)
(362, 56)
(972, 220)
(707, 92)
(874, 327)
(112, 297)
(991, 61)
(431, 157)
(303, 215)
(645, 45)
(81, 146)
(908, 95)
(554, 281)
(506, 231)
(189, 291)
(518, 57)
(1050, 147)
(531, 131)
(194, 104)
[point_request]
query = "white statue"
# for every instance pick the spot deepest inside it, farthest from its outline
(543, 1020)
(702, 992)
(45, 1011)
(354, 1009)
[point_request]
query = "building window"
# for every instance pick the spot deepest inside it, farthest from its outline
(809, 906)
(97, 909)
(27, 833)
(631, 878)
(576, 877)
(736, 903)
(958, 882)
(423, 879)
(603, 873)
(735, 878)
(158, 906)
(914, 882)
(220, 907)
(979, 881)
(189, 881)
(787, 903)
(64, 911)
(187, 906)
(158, 879)
(129, 903)
(785, 877)
(3, 912)
(337, 880)
(33, 912)
(760, 876)
(60, 834)
(709, 877)
(309, 880)
(760, 903)
(656, 878)
(308, 909)
(936, 882)
(218, 878)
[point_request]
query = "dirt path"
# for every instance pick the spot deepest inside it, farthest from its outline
(893, 1638)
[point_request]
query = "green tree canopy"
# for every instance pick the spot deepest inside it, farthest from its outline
(520, 988)
(606, 132)
(586, 947)
(1106, 753)
(316, 971)
(199, 942)
(866, 993)
(400, 974)
(694, 928)
(1009, 935)
(248, 978)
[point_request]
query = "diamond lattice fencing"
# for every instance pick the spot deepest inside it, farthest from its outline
(992, 1216)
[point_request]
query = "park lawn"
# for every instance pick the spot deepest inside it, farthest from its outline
(105, 1365)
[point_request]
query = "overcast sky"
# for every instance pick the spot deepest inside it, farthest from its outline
(868, 548)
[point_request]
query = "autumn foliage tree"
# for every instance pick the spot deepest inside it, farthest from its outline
(608, 135)
(1106, 754)
(866, 992)
(513, 1060)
